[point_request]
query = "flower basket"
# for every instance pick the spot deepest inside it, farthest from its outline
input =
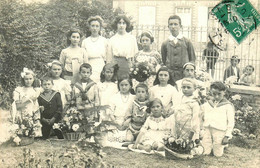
(74, 136)
(169, 154)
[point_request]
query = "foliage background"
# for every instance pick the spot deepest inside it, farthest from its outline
(31, 35)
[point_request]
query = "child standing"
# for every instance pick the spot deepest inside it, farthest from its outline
(25, 106)
(85, 92)
(154, 129)
(176, 50)
(51, 108)
(136, 114)
(186, 112)
(59, 84)
(72, 57)
(218, 121)
(149, 56)
(163, 88)
(247, 77)
(107, 86)
(233, 70)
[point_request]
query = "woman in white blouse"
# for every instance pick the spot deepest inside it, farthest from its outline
(96, 47)
(123, 46)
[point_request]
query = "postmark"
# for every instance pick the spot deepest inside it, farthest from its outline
(239, 17)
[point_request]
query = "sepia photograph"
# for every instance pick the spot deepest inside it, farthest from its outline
(129, 83)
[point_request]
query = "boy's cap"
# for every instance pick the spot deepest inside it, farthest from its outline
(235, 57)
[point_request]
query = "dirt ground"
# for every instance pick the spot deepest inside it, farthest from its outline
(235, 157)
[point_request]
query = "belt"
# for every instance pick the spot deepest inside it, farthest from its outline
(119, 56)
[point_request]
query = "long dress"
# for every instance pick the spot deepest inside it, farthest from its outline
(31, 110)
(106, 90)
(97, 55)
(155, 129)
(118, 107)
(71, 59)
(121, 48)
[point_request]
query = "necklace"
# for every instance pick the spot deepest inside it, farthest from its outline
(124, 98)
(94, 39)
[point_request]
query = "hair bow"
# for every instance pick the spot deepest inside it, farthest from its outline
(26, 71)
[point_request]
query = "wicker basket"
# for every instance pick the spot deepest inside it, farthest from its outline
(26, 141)
(74, 136)
(169, 154)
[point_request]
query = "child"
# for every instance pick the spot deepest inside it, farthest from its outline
(107, 86)
(85, 92)
(233, 70)
(247, 77)
(123, 45)
(154, 129)
(147, 55)
(59, 84)
(136, 115)
(211, 54)
(176, 50)
(186, 112)
(51, 108)
(163, 88)
(218, 120)
(25, 104)
(121, 101)
(72, 57)
(96, 46)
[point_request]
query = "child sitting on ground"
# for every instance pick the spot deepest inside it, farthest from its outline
(136, 114)
(155, 128)
(218, 121)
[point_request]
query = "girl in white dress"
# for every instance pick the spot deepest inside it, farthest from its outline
(25, 108)
(155, 128)
(119, 104)
(59, 84)
(122, 46)
(164, 89)
(107, 86)
(96, 47)
(73, 56)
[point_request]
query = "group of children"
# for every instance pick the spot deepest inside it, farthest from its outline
(145, 114)
(164, 105)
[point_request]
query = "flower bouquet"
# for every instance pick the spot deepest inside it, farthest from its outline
(182, 148)
(140, 72)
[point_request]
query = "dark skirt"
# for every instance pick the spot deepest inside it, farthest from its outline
(123, 66)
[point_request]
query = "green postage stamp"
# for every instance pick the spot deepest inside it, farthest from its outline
(239, 17)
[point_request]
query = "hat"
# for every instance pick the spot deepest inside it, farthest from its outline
(235, 57)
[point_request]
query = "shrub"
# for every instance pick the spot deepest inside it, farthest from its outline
(31, 35)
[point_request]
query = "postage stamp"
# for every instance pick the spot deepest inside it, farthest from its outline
(239, 17)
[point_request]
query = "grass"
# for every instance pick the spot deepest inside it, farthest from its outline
(234, 157)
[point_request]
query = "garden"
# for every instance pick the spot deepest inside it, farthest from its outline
(34, 34)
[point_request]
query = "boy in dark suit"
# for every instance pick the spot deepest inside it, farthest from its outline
(233, 70)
